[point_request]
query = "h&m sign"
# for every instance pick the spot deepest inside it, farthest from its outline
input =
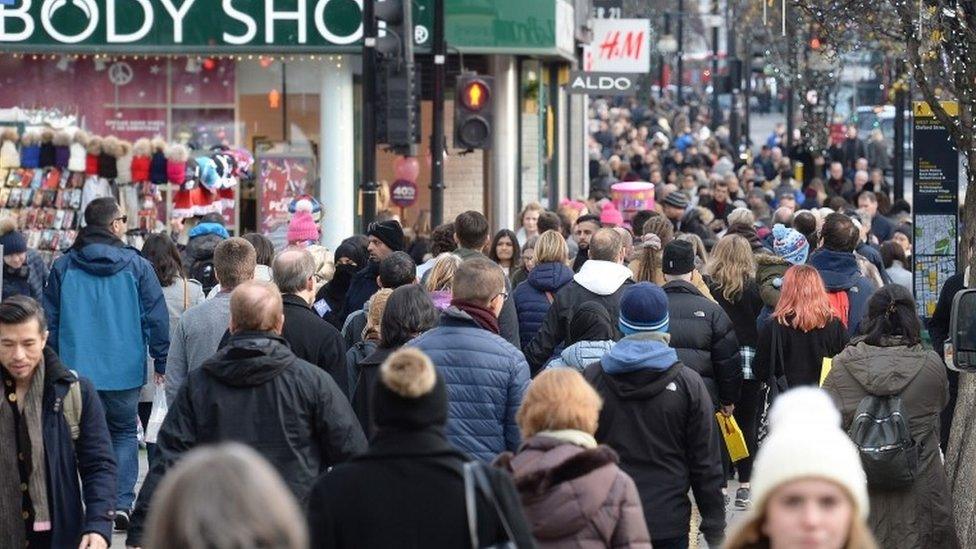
(179, 26)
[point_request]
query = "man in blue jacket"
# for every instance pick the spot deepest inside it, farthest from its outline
(52, 434)
(486, 376)
(848, 289)
(106, 308)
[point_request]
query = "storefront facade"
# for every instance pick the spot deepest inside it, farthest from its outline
(280, 79)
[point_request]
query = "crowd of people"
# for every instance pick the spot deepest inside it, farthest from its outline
(565, 383)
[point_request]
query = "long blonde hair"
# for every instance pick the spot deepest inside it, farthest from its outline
(648, 268)
(442, 273)
(731, 265)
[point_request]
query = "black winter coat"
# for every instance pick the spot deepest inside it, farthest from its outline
(555, 328)
(257, 392)
(407, 491)
(802, 352)
(367, 371)
(362, 287)
(743, 312)
(705, 339)
(662, 425)
(314, 340)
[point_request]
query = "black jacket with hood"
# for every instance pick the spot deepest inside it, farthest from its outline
(257, 392)
(705, 339)
(658, 416)
(599, 281)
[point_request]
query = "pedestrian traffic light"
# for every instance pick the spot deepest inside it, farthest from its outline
(472, 112)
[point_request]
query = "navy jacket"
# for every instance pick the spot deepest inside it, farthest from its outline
(531, 301)
(362, 287)
(104, 307)
(486, 378)
(90, 457)
(841, 273)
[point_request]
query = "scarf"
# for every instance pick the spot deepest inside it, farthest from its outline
(28, 439)
(571, 436)
(481, 315)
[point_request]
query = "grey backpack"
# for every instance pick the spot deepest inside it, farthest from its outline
(888, 452)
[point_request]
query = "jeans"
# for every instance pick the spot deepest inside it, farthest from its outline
(121, 415)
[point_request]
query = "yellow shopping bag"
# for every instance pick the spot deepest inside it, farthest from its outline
(734, 440)
(828, 363)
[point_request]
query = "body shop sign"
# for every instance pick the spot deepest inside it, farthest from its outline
(178, 26)
(619, 45)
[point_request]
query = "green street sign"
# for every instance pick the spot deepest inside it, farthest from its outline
(193, 26)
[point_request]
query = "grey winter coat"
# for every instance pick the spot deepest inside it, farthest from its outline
(920, 517)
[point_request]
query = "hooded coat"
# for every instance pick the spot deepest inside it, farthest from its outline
(575, 496)
(599, 281)
(841, 273)
(534, 297)
(703, 335)
(769, 275)
(658, 416)
(486, 378)
(298, 419)
(104, 308)
(922, 515)
(330, 298)
(591, 335)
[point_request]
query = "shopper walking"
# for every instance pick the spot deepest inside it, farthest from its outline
(802, 332)
(534, 298)
(808, 489)
(408, 488)
(572, 489)
(889, 361)
(105, 310)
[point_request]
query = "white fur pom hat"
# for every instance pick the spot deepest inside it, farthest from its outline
(806, 442)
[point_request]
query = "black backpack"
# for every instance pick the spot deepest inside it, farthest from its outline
(202, 271)
(888, 452)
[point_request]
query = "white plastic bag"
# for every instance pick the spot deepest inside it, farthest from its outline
(158, 414)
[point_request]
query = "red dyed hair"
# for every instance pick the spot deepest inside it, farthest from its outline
(803, 302)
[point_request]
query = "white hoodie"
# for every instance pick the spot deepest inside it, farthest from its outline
(602, 277)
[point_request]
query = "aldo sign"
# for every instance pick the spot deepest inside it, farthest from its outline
(197, 26)
(601, 83)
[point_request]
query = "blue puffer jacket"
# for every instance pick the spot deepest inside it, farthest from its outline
(531, 301)
(841, 273)
(581, 354)
(486, 377)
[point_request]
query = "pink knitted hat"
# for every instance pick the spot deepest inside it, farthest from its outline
(303, 227)
(610, 215)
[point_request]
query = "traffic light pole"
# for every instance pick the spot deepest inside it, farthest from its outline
(680, 62)
(368, 184)
(898, 159)
(437, 137)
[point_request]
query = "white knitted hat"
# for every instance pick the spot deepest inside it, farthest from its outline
(806, 441)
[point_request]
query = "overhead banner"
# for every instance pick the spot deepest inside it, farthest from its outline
(601, 83)
(619, 45)
(935, 169)
(200, 26)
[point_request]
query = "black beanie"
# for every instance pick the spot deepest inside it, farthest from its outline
(389, 232)
(678, 258)
(410, 393)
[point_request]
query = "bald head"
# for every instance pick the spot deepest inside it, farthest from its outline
(255, 306)
(605, 245)
(293, 271)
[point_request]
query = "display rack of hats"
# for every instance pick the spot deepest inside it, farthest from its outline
(49, 177)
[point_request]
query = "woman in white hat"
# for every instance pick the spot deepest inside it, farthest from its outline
(808, 487)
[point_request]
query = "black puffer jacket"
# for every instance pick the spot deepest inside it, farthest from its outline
(600, 281)
(257, 392)
(703, 335)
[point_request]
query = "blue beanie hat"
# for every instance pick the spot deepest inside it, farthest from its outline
(13, 243)
(643, 308)
(790, 244)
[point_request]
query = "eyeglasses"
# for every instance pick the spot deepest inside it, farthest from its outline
(503, 294)
(123, 219)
